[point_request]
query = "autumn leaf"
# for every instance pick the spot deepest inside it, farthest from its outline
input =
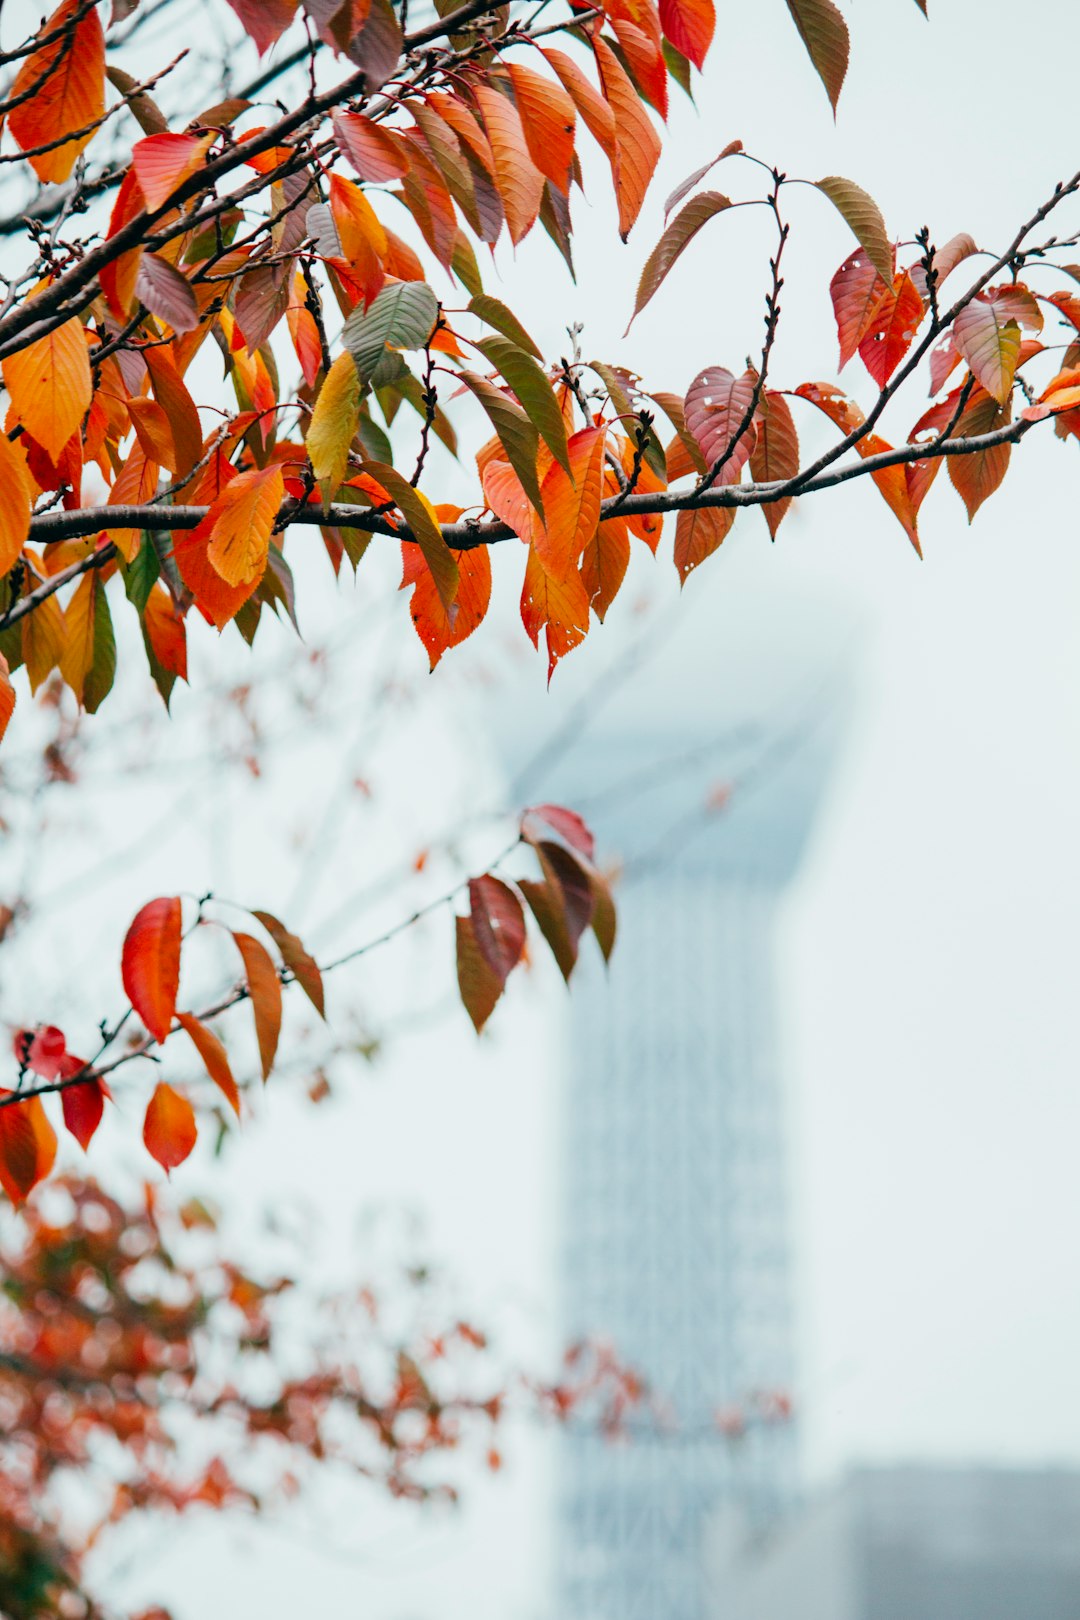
(376, 153)
(215, 1059)
(990, 343)
(679, 234)
(689, 25)
(7, 696)
(548, 119)
(824, 33)
(16, 501)
(604, 563)
(60, 90)
(519, 182)
(498, 924)
(863, 215)
(890, 328)
(854, 291)
(299, 961)
(478, 983)
(569, 825)
(559, 607)
(333, 424)
(637, 145)
(517, 435)
(163, 162)
(264, 989)
(698, 533)
(716, 406)
(775, 456)
(438, 628)
(264, 20)
(150, 964)
(169, 1129)
(533, 390)
(27, 1146)
(420, 516)
(83, 1106)
(240, 522)
(571, 504)
(49, 384)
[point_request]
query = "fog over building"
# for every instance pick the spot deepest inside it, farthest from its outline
(910, 1542)
(700, 773)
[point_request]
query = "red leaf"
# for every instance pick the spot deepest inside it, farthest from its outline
(83, 1106)
(689, 25)
(716, 404)
(163, 162)
(440, 628)
(150, 964)
(478, 983)
(498, 924)
(169, 1129)
(300, 963)
(567, 823)
(854, 291)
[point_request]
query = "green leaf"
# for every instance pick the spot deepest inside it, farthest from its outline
(611, 377)
(862, 213)
(533, 390)
(426, 532)
(825, 35)
(679, 234)
(463, 264)
(402, 316)
(99, 677)
(493, 312)
(140, 575)
(516, 434)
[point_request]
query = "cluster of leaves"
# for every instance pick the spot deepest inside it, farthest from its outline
(225, 230)
(141, 1370)
(569, 896)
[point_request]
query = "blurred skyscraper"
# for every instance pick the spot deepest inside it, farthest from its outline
(702, 777)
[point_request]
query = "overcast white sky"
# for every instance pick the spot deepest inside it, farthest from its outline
(931, 946)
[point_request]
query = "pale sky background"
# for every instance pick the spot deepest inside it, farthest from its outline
(931, 944)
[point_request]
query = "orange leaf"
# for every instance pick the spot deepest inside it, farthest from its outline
(264, 988)
(519, 183)
(854, 290)
(16, 500)
(571, 510)
(49, 384)
(163, 162)
(27, 1146)
(165, 630)
(7, 696)
(67, 84)
(377, 154)
(597, 115)
(698, 534)
(637, 145)
(299, 961)
(214, 1058)
(604, 565)
(363, 240)
(150, 964)
(547, 118)
(559, 606)
(169, 1129)
(119, 276)
(438, 627)
(240, 523)
(890, 328)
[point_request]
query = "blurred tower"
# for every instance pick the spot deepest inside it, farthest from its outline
(675, 1237)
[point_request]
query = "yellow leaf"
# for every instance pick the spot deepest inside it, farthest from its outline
(49, 384)
(78, 654)
(16, 500)
(333, 424)
(43, 636)
(241, 522)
